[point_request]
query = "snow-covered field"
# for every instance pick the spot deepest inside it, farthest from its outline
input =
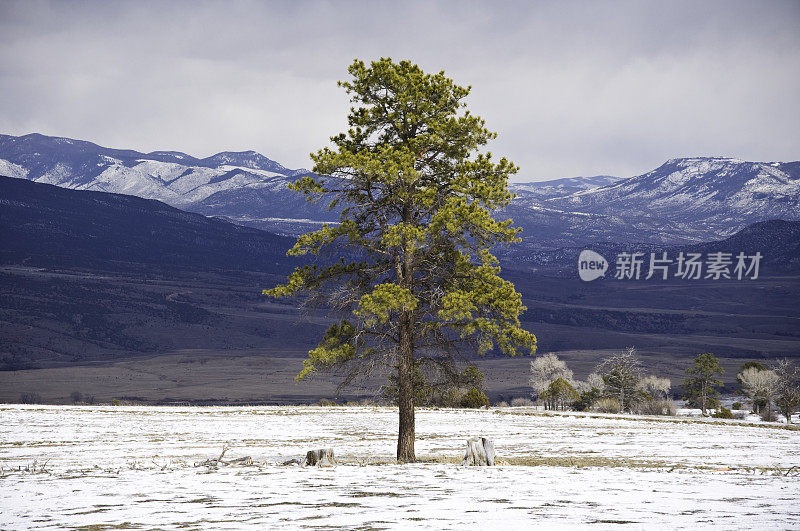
(136, 467)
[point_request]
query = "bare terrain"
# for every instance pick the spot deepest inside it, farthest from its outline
(210, 337)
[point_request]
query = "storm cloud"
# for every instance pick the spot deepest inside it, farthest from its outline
(572, 88)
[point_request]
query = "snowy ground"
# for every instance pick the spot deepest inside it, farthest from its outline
(135, 467)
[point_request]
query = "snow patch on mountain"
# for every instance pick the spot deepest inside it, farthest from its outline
(58, 175)
(559, 187)
(10, 169)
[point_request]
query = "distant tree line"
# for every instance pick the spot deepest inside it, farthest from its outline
(619, 384)
(771, 390)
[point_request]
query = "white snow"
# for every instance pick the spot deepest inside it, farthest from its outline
(9, 169)
(108, 466)
(285, 220)
(768, 190)
(59, 176)
(143, 180)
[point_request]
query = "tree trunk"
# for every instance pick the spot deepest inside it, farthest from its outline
(703, 394)
(405, 350)
(405, 388)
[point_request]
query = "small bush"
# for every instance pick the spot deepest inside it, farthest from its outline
(658, 407)
(116, 402)
(649, 407)
(768, 415)
(76, 396)
(723, 413)
(560, 394)
(737, 405)
(449, 398)
(30, 398)
(670, 408)
(608, 405)
(475, 398)
(587, 399)
(324, 402)
(517, 402)
(502, 404)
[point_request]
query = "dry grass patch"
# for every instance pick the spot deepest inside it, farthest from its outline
(636, 418)
(577, 461)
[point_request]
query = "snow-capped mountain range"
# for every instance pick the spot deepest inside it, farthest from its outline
(561, 187)
(180, 180)
(725, 193)
(684, 200)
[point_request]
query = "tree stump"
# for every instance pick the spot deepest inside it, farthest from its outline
(480, 452)
(322, 458)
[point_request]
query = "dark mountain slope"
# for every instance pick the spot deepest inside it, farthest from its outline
(45, 225)
(777, 240)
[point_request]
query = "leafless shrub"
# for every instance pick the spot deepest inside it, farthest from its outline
(607, 405)
(662, 406)
(593, 381)
(547, 369)
(621, 374)
(787, 388)
(759, 385)
(517, 402)
(656, 387)
(768, 415)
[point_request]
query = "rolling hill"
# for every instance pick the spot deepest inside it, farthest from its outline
(45, 225)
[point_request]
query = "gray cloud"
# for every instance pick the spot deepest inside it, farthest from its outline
(573, 88)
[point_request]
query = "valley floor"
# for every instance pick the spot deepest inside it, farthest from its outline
(141, 467)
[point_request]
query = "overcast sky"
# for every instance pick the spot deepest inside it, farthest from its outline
(572, 88)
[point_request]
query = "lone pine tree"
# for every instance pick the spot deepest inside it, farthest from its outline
(700, 385)
(415, 281)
